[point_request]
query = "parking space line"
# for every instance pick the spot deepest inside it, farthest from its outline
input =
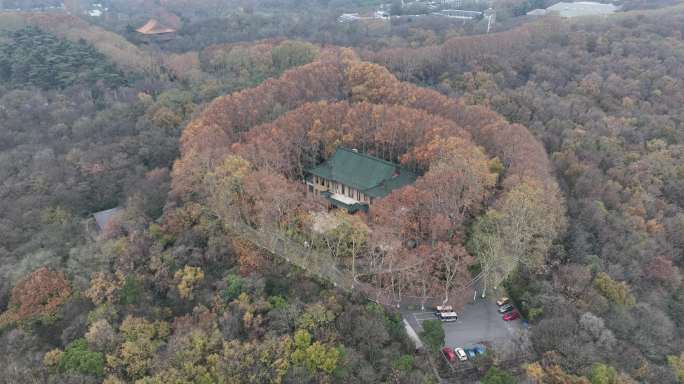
(419, 317)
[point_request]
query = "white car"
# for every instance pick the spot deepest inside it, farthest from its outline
(444, 308)
(461, 354)
(448, 316)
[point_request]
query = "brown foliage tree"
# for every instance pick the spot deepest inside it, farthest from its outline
(38, 295)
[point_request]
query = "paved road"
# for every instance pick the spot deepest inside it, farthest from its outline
(476, 323)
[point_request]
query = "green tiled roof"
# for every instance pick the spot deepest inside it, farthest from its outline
(373, 176)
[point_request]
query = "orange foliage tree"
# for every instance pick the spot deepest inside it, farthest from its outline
(288, 124)
(38, 295)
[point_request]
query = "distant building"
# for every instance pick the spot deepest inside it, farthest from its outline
(153, 30)
(24, 5)
(582, 8)
(458, 14)
(348, 17)
(96, 10)
(453, 3)
(351, 17)
(103, 218)
(537, 12)
(381, 15)
(353, 180)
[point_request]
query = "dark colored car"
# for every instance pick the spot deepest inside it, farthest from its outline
(475, 351)
(480, 349)
(470, 352)
(505, 308)
(449, 354)
(511, 316)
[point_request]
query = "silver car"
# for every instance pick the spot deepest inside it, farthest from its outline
(505, 308)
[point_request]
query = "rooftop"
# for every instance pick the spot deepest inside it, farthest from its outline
(373, 176)
(582, 8)
(537, 12)
(102, 218)
(153, 27)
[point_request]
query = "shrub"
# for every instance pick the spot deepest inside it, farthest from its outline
(603, 374)
(77, 358)
(130, 292)
(677, 365)
(615, 291)
(188, 278)
(533, 313)
(234, 287)
(277, 302)
(496, 376)
(404, 363)
(52, 358)
(433, 334)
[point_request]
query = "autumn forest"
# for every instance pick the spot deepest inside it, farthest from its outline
(549, 163)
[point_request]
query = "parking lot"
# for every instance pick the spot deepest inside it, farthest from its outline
(477, 322)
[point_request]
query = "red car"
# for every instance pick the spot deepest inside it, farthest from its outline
(511, 316)
(449, 354)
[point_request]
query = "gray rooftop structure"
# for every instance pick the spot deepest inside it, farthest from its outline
(582, 8)
(102, 218)
(537, 12)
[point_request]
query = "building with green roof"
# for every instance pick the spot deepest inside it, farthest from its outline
(352, 180)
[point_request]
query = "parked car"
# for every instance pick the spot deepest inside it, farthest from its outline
(503, 301)
(511, 316)
(505, 308)
(475, 351)
(443, 308)
(449, 354)
(470, 352)
(447, 316)
(461, 354)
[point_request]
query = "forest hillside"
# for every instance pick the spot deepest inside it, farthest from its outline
(545, 160)
(605, 99)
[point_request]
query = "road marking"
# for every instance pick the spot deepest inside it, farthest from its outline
(419, 317)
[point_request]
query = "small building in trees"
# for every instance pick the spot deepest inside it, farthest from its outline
(154, 31)
(103, 218)
(537, 12)
(352, 180)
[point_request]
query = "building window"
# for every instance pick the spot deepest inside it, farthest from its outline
(343, 189)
